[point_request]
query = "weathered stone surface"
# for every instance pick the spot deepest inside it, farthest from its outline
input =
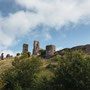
(2, 56)
(50, 50)
(36, 47)
(25, 48)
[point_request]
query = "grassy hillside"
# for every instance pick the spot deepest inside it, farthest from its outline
(5, 64)
(67, 72)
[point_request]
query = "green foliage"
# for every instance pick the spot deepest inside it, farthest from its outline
(24, 55)
(44, 82)
(56, 58)
(42, 52)
(18, 54)
(67, 51)
(23, 74)
(2, 84)
(84, 48)
(73, 72)
(51, 67)
(29, 54)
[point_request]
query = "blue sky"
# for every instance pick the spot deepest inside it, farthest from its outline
(64, 23)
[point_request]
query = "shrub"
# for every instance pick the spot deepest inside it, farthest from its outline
(43, 83)
(23, 74)
(42, 52)
(29, 54)
(2, 84)
(56, 58)
(73, 72)
(18, 54)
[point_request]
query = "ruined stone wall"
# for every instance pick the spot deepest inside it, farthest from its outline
(9, 56)
(36, 48)
(2, 56)
(50, 50)
(25, 48)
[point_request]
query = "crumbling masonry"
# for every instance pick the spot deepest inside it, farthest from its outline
(36, 48)
(25, 48)
(2, 56)
(50, 50)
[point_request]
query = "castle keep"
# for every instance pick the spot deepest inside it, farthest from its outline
(36, 48)
(50, 50)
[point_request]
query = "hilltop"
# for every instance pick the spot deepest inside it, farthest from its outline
(37, 72)
(84, 48)
(7, 62)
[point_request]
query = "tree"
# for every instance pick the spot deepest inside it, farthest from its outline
(73, 72)
(23, 74)
(29, 54)
(42, 52)
(18, 54)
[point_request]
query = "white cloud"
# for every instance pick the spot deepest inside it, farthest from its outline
(56, 13)
(11, 27)
(50, 13)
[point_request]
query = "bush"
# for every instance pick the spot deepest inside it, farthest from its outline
(24, 55)
(23, 74)
(18, 54)
(42, 52)
(51, 67)
(2, 84)
(43, 83)
(73, 72)
(29, 54)
(56, 58)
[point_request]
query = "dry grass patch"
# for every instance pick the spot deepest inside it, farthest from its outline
(5, 64)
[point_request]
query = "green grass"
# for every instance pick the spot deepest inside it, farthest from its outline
(5, 64)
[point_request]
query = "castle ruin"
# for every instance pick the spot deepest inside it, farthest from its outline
(50, 50)
(9, 56)
(25, 48)
(36, 48)
(2, 56)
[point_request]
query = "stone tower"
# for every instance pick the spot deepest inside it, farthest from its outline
(36, 48)
(25, 48)
(50, 50)
(2, 56)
